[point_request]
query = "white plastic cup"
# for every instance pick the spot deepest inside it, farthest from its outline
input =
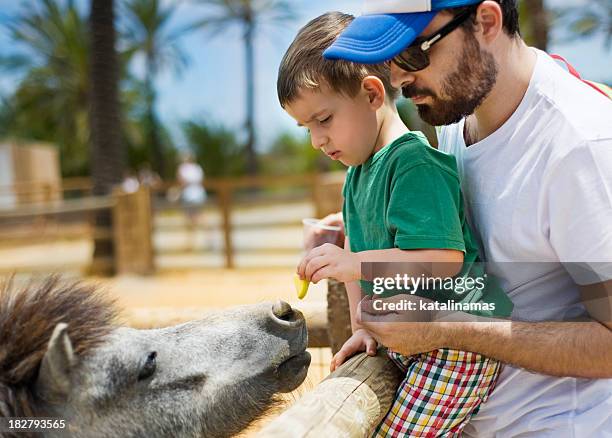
(317, 233)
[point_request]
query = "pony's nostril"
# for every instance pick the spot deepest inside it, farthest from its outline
(282, 310)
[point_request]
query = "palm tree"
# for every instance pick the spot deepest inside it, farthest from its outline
(250, 16)
(148, 33)
(51, 100)
(50, 103)
(104, 118)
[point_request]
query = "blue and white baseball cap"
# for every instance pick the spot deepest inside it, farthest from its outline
(386, 28)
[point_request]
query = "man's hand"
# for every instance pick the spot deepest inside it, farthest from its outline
(330, 261)
(394, 329)
(360, 341)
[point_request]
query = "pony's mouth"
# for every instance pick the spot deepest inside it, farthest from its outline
(292, 372)
(300, 360)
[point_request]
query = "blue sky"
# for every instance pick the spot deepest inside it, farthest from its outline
(213, 86)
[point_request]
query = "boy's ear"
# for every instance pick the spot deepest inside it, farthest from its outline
(374, 90)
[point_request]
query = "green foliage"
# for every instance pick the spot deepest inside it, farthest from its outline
(147, 31)
(293, 154)
(51, 103)
(223, 13)
(410, 116)
(216, 148)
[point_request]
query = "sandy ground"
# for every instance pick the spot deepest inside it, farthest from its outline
(213, 288)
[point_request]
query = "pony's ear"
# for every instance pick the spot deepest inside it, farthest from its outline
(53, 382)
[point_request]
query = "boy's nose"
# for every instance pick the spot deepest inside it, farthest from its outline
(318, 141)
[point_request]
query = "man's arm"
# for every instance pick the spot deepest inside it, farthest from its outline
(575, 349)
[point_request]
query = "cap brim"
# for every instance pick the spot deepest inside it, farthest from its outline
(371, 39)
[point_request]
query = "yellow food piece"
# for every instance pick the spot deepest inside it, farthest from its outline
(301, 286)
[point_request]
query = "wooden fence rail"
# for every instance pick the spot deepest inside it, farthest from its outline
(350, 402)
(49, 200)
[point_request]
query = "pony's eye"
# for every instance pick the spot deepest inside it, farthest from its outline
(148, 368)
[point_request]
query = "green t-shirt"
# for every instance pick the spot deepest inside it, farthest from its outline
(408, 196)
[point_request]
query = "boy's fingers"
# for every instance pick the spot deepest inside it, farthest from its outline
(371, 347)
(302, 265)
(332, 365)
(304, 262)
(300, 268)
(324, 272)
(314, 265)
(340, 357)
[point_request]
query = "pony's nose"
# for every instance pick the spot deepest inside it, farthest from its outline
(282, 311)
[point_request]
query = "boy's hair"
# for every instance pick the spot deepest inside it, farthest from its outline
(303, 66)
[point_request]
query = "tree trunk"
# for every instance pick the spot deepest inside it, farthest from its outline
(249, 34)
(105, 126)
(152, 127)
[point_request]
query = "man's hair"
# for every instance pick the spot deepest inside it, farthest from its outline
(303, 66)
(510, 17)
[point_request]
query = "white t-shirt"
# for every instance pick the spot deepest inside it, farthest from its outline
(539, 191)
(192, 176)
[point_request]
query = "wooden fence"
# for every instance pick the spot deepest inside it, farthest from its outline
(350, 402)
(42, 201)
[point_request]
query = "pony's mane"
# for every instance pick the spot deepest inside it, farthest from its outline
(28, 315)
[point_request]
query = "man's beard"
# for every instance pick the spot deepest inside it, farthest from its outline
(463, 90)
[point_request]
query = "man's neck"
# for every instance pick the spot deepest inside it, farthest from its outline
(516, 66)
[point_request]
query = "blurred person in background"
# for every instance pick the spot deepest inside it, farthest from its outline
(190, 177)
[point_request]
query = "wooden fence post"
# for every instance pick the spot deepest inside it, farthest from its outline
(350, 402)
(225, 203)
(132, 232)
(327, 193)
(338, 315)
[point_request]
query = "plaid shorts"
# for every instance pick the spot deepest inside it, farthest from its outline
(440, 393)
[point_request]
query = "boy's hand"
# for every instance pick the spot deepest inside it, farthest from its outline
(330, 261)
(361, 340)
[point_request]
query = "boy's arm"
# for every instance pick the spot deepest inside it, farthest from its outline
(331, 261)
(353, 292)
(434, 262)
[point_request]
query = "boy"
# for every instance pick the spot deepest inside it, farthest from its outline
(402, 203)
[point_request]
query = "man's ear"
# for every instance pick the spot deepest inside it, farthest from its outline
(489, 19)
(53, 383)
(374, 90)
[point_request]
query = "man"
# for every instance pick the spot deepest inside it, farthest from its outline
(534, 149)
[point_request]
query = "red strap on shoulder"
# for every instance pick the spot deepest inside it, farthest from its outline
(575, 73)
(569, 66)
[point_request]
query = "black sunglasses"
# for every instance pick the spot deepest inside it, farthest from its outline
(414, 57)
